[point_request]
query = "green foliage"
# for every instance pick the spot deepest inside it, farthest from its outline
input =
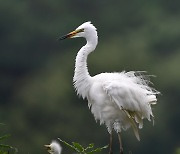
(4, 148)
(83, 150)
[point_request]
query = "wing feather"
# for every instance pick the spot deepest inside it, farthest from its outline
(134, 98)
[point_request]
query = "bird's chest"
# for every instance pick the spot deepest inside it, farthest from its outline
(99, 99)
(102, 106)
(97, 95)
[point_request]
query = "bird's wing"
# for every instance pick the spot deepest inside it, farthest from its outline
(126, 95)
(130, 98)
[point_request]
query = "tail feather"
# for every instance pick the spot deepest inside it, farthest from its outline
(133, 124)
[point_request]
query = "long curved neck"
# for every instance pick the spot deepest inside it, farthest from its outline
(81, 77)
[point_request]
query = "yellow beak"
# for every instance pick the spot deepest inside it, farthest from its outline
(71, 34)
(48, 147)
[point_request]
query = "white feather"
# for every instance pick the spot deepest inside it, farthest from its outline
(54, 148)
(118, 100)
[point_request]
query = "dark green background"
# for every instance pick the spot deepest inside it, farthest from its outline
(37, 99)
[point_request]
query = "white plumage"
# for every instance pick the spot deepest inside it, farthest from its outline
(54, 148)
(118, 100)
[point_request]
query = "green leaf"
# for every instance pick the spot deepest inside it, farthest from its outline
(78, 147)
(97, 150)
(90, 146)
(69, 145)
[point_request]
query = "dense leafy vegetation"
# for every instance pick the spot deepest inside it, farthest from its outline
(37, 99)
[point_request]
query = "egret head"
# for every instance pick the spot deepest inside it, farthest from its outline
(54, 148)
(86, 30)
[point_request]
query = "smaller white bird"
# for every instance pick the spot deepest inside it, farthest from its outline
(54, 148)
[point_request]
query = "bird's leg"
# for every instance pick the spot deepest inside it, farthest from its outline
(120, 143)
(110, 144)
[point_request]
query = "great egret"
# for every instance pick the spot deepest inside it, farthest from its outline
(54, 148)
(119, 100)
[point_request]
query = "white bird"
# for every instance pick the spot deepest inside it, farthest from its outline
(119, 100)
(54, 148)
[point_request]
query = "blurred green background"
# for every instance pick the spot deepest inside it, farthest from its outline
(37, 99)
